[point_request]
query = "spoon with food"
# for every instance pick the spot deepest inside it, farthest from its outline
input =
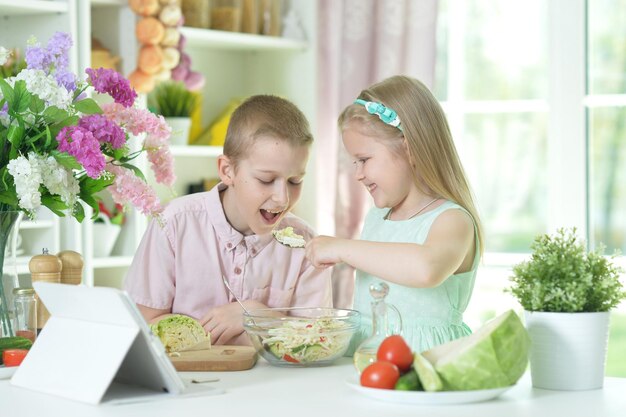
(289, 238)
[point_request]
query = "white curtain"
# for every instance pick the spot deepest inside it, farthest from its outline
(360, 42)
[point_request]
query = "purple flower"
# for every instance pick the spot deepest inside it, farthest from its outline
(83, 146)
(53, 59)
(66, 79)
(60, 43)
(106, 80)
(104, 130)
(38, 58)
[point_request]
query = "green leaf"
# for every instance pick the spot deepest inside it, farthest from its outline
(48, 138)
(22, 97)
(15, 135)
(70, 121)
(78, 212)
(92, 202)
(88, 106)
(7, 92)
(54, 203)
(136, 170)
(9, 197)
(119, 154)
(90, 186)
(37, 105)
(34, 138)
(54, 114)
(65, 159)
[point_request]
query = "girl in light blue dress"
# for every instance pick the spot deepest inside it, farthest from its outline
(424, 236)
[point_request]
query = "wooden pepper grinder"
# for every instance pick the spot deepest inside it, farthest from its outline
(72, 271)
(46, 268)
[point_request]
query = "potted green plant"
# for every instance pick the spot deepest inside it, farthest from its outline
(173, 101)
(567, 293)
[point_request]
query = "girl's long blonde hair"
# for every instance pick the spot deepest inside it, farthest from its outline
(434, 160)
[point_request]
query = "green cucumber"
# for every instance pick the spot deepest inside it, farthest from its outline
(409, 382)
(427, 374)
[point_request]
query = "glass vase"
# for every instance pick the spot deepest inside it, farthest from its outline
(9, 227)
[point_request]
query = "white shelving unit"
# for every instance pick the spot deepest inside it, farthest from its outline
(14, 8)
(232, 41)
(21, 20)
(235, 65)
(196, 151)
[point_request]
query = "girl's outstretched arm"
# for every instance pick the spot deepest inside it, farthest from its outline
(449, 248)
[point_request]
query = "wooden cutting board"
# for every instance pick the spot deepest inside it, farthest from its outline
(218, 358)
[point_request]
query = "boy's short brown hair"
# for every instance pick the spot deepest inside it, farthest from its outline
(263, 116)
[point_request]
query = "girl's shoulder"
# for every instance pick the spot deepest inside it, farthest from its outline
(450, 208)
(376, 214)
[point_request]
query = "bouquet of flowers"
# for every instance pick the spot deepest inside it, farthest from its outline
(59, 147)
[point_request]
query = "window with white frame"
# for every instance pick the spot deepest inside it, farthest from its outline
(535, 94)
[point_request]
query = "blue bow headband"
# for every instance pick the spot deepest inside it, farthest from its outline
(387, 115)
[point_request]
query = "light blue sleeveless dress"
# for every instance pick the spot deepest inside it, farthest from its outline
(431, 316)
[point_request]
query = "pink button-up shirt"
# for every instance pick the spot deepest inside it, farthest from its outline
(179, 267)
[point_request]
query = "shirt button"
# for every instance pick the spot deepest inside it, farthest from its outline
(253, 251)
(229, 245)
(237, 270)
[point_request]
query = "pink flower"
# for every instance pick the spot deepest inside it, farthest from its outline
(104, 130)
(106, 80)
(156, 142)
(81, 144)
(161, 160)
(127, 187)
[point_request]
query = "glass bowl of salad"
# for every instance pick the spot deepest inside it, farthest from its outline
(299, 336)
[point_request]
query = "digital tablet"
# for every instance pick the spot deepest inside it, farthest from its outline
(95, 340)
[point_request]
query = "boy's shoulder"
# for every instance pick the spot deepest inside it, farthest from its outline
(188, 204)
(300, 226)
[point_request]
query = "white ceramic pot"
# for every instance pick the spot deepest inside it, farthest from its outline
(104, 237)
(568, 350)
(180, 129)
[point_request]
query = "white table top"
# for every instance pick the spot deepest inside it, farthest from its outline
(319, 392)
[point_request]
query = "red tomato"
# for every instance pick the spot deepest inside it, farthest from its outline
(289, 358)
(13, 357)
(395, 350)
(383, 375)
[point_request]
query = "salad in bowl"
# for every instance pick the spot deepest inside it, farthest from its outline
(299, 336)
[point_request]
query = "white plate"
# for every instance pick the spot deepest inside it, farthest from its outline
(6, 373)
(426, 398)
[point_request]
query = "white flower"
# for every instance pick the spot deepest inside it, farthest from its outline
(45, 87)
(4, 55)
(27, 177)
(29, 173)
(59, 180)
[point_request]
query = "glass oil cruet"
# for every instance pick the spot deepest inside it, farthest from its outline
(366, 352)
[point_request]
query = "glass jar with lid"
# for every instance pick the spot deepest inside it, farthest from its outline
(25, 303)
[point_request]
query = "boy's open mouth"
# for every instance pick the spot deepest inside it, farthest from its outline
(271, 216)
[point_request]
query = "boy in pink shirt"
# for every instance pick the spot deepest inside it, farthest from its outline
(178, 267)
